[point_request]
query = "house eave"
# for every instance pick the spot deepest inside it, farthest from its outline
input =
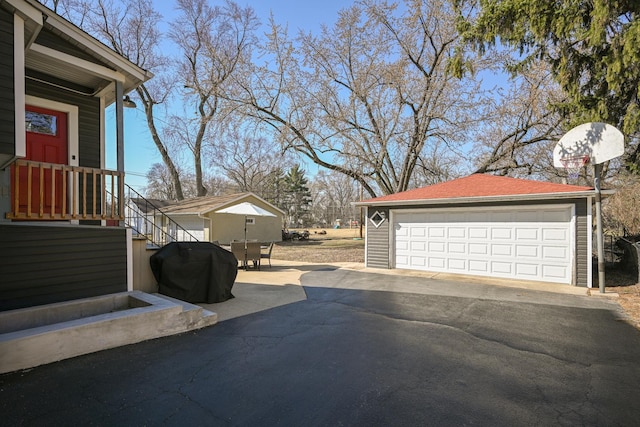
(486, 199)
(114, 66)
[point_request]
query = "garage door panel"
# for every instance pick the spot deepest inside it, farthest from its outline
(527, 251)
(501, 250)
(501, 233)
(478, 233)
(501, 268)
(418, 246)
(456, 247)
(555, 253)
(418, 232)
(458, 265)
(418, 261)
(478, 266)
(554, 271)
(532, 243)
(437, 232)
(528, 271)
(555, 234)
(457, 233)
(528, 233)
(437, 263)
(478, 248)
(437, 247)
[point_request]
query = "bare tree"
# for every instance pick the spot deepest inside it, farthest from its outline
(159, 184)
(621, 209)
(332, 194)
(250, 162)
(521, 126)
(213, 41)
(368, 96)
(132, 31)
(131, 28)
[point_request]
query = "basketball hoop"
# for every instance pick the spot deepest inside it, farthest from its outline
(573, 165)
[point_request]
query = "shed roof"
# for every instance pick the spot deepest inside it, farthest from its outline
(480, 187)
(205, 204)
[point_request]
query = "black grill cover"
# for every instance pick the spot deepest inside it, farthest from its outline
(195, 271)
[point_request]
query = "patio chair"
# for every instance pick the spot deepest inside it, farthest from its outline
(253, 254)
(238, 250)
(267, 255)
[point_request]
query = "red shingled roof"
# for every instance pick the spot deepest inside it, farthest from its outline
(479, 185)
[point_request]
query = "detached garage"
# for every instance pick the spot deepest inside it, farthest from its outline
(485, 225)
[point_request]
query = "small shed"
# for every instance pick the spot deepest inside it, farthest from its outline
(199, 218)
(485, 225)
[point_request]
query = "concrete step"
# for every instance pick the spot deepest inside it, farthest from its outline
(38, 335)
(192, 313)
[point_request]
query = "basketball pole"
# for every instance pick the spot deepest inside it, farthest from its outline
(597, 172)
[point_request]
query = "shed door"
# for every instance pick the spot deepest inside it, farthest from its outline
(192, 227)
(532, 243)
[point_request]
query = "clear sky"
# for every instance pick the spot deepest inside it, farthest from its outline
(140, 151)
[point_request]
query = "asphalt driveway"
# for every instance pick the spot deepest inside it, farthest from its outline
(362, 349)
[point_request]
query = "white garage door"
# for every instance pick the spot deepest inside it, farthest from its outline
(533, 243)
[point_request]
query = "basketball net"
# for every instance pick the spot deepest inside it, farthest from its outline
(573, 165)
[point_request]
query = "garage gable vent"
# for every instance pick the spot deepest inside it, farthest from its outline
(377, 219)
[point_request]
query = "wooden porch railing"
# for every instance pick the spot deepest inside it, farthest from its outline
(49, 192)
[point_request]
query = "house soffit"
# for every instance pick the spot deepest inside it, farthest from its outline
(103, 67)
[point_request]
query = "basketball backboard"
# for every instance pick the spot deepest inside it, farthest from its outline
(599, 141)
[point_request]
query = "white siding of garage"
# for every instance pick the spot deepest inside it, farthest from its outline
(529, 243)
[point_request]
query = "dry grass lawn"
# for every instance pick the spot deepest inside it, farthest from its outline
(325, 245)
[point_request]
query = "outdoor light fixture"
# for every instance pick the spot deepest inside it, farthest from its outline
(128, 103)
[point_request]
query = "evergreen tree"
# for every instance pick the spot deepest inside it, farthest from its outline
(591, 45)
(297, 197)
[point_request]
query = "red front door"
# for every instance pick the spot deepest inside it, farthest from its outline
(46, 132)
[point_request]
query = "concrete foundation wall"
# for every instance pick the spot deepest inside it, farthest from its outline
(143, 279)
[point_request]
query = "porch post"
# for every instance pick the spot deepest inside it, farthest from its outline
(119, 127)
(120, 147)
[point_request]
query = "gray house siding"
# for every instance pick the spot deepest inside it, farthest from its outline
(582, 253)
(378, 255)
(7, 100)
(44, 264)
(380, 239)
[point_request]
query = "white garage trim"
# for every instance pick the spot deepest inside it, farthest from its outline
(532, 242)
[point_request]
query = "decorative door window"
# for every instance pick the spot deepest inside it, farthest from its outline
(42, 123)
